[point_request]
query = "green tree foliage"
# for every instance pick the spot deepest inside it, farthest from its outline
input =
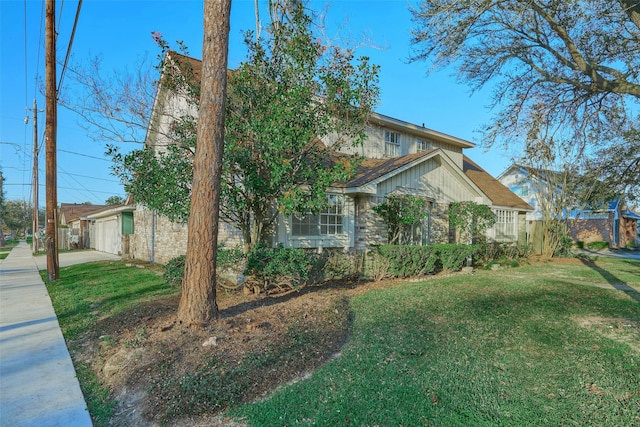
(17, 216)
(471, 220)
(290, 107)
(568, 66)
(401, 213)
(114, 201)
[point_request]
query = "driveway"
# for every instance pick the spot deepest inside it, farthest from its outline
(616, 253)
(78, 257)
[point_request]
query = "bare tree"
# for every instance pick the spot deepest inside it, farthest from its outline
(578, 59)
(198, 302)
(113, 106)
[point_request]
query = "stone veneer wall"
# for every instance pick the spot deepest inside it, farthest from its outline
(369, 228)
(439, 223)
(170, 238)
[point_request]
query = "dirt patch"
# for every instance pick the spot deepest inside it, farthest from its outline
(150, 364)
(624, 331)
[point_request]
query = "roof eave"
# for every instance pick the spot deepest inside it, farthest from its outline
(400, 125)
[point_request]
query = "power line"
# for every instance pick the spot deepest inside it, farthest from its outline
(76, 181)
(83, 176)
(84, 155)
(93, 177)
(26, 97)
(66, 59)
(62, 188)
(93, 191)
(35, 87)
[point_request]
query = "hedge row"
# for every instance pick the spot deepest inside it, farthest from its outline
(408, 261)
(290, 268)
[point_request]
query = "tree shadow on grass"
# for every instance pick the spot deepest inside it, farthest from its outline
(611, 279)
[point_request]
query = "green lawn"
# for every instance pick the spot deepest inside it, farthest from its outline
(522, 347)
(554, 344)
(104, 288)
(87, 291)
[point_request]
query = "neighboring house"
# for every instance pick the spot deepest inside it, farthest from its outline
(614, 223)
(100, 227)
(111, 229)
(399, 158)
(75, 217)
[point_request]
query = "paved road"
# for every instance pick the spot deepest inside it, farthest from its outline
(38, 384)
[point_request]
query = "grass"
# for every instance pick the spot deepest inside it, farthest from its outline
(87, 291)
(104, 288)
(526, 346)
(485, 350)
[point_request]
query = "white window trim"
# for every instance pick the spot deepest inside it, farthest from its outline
(391, 143)
(506, 227)
(323, 221)
(422, 145)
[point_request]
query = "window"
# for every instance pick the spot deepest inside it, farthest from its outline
(331, 216)
(506, 226)
(328, 222)
(521, 190)
(305, 226)
(391, 143)
(422, 145)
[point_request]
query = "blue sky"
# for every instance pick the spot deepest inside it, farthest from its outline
(120, 31)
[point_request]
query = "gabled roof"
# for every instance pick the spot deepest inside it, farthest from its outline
(190, 67)
(421, 131)
(494, 189)
(373, 169)
(73, 211)
(111, 210)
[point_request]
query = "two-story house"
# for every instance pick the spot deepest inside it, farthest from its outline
(399, 158)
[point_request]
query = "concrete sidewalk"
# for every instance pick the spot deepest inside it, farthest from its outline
(38, 384)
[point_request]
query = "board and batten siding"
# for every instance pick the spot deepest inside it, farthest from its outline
(434, 180)
(374, 146)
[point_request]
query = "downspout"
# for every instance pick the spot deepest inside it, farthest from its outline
(429, 223)
(152, 257)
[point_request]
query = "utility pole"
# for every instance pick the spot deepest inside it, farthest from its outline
(53, 265)
(36, 208)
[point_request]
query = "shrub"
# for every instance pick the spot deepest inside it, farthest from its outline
(406, 261)
(226, 259)
(230, 259)
(280, 267)
(564, 247)
(491, 251)
(340, 265)
(174, 270)
(598, 246)
(453, 257)
(376, 266)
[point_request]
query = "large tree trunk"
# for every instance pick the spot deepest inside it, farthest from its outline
(198, 302)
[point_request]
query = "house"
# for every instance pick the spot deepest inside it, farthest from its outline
(613, 222)
(399, 158)
(76, 233)
(100, 227)
(111, 229)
